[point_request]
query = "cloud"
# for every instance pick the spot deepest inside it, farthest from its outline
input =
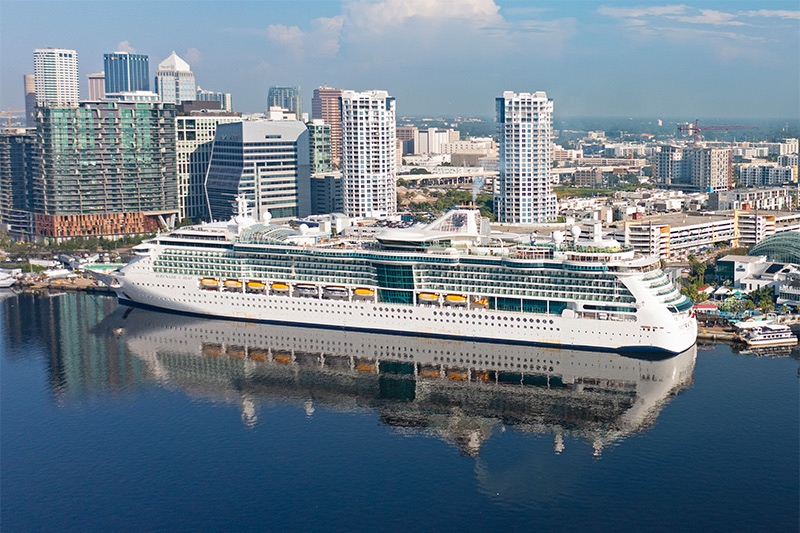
(290, 36)
(784, 14)
(709, 16)
(325, 35)
(375, 17)
(192, 56)
(125, 46)
(641, 11)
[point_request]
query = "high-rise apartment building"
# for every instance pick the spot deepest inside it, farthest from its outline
(264, 161)
(369, 154)
(694, 168)
(126, 72)
(174, 80)
(18, 164)
(288, 98)
(97, 86)
(104, 169)
(56, 76)
(525, 130)
(224, 99)
(195, 137)
(30, 99)
(319, 146)
(326, 105)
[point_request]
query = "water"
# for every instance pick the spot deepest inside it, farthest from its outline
(116, 419)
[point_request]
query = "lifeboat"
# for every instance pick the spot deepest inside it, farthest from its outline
(283, 359)
(256, 286)
(363, 293)
(306, 290)
(258, 355)
(212, 349)
(455, 299)
(279, 288)
(428, 298)
(429, 373)
(235, 352)
(209, 283)
(481, 303)
(366, 367)
(233, 284)
(457, 375)
(335, 293)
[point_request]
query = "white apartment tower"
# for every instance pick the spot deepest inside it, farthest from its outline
(525, 130)
(369, 156)
(56, 76)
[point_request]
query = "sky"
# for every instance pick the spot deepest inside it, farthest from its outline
(737, 58)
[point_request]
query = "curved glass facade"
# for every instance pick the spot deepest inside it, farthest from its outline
(779, 248)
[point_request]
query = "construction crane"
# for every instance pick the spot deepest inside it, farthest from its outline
(9, 112)
(696, 128)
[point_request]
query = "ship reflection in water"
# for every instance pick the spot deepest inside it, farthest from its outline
(460, 391)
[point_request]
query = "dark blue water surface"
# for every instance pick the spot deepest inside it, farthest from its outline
(115, 420)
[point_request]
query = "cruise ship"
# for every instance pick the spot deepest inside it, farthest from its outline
(453, 278)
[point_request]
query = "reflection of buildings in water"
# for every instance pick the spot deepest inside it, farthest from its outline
(458, 390)
(79, 363)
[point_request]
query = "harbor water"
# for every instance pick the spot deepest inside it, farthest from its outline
(114, 418)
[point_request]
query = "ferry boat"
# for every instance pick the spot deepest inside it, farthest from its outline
(453, 278)
(769, 334)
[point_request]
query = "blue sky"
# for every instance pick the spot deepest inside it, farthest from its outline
(443, 57)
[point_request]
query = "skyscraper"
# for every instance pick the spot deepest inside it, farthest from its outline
(126, 72)
(97, 86)
(326, 105)
(369, 154)
(210, 96)
(104, 168)
(195, 138)
(694, 168)
(265, 161)
(288, 98)
(175, 81)
(30, 99)
(56, 76)
(525, 130)
(319, 146)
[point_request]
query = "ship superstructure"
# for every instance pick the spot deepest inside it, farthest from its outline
(453, 278)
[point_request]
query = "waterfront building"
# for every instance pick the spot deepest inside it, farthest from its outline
(224, 99)
(369, 158)
(30, 99)
(175, 81)
(264, 161)
(319, 145)
(525, 130)
(195, 133)
(18, 162)
(126, 72)
(56, 76)
(326, 193)
(326, 105)
(97, 86)
(104, 169)
(288, 98)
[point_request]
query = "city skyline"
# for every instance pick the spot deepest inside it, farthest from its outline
(599, 59)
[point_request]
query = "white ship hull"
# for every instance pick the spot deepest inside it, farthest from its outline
(654, 335)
